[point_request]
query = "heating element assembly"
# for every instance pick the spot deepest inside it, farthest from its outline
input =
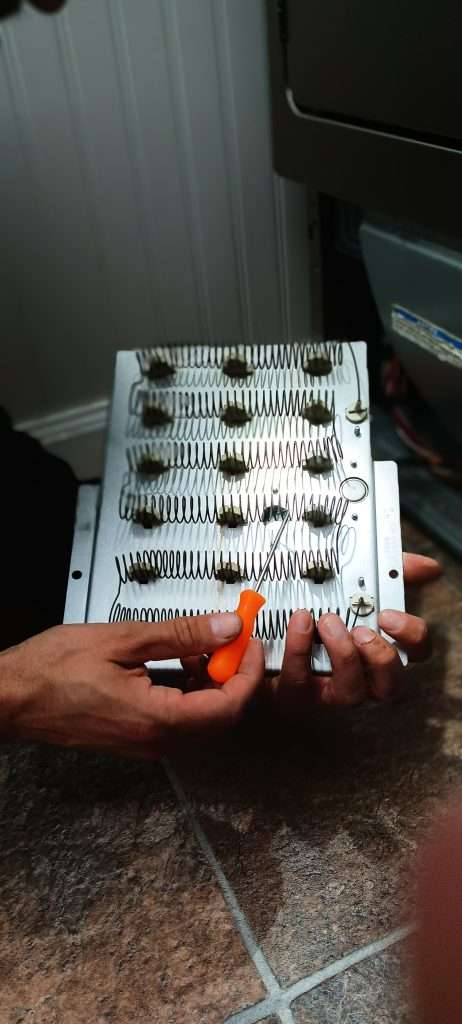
(207, 447)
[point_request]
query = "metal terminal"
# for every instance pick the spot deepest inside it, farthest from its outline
(159, 369)
(237, 366)
(235, 415)
(142, 572)
(149, 465)
(318, 366)
(231, 516)
(147, 518)
(229, 572)
(318, 573)
(155, 416)
(272, 513)
(317, 516)
(233, 465)
(362, 605)
(317, 413)
(357, 412)
(318, 464)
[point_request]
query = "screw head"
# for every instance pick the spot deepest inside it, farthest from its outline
(362, 605)
(357, 412)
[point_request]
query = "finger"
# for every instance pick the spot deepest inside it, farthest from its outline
(419, 569)
(296, 664)
(291, 689)
(206, 712)
(410, 631)
(135, 642)
(384, 669)
(347, 685)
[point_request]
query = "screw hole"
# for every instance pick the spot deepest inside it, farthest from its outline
(353, 465)
(76, 575)
(355, 517)
(393, 574)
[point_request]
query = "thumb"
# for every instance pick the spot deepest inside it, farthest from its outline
(181, 637)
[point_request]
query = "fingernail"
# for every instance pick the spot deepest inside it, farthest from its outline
(333, 626)
(363, 635)
(226, 625)
(392, 621)
(301, 621)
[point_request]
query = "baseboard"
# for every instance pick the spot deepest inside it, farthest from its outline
(76, 435)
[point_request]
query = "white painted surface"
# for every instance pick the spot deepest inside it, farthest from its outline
(138, 203)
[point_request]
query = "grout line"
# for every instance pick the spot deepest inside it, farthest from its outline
(279, 1000)
(286, 1015)
(257, 1013)
(280, 1004)
(339, 966)
(269, 980)
(274, 1006)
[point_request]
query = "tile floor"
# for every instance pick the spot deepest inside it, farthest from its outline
(265, 880)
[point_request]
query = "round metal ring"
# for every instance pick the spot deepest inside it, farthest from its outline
(354, 488)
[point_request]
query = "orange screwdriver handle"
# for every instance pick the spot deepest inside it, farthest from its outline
(225, 662)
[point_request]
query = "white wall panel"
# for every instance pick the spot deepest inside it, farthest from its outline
(137, 198)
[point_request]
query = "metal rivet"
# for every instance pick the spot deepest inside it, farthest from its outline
(362, 605)
(357, 412)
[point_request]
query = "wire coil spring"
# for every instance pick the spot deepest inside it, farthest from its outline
(270, 625)
(293, 356)
(167, 508)
(218, 430)
(253, 455)
(144, 566)
(206, 404)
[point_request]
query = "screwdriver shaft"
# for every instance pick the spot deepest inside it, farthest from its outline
(272, 549)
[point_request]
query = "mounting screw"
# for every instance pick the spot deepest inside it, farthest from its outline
(357, 412)
(362, 605)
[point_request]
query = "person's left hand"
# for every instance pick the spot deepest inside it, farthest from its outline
(364, 664)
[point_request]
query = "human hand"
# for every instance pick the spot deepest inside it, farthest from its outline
(87, 686)
(364, 664)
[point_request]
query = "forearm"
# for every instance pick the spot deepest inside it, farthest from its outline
(14, 691)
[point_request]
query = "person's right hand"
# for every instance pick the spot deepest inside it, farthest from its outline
(364, 664)
(87, 686)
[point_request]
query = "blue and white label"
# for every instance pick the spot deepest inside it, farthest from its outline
(442, 344)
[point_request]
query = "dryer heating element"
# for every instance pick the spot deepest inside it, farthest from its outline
(207, 447)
